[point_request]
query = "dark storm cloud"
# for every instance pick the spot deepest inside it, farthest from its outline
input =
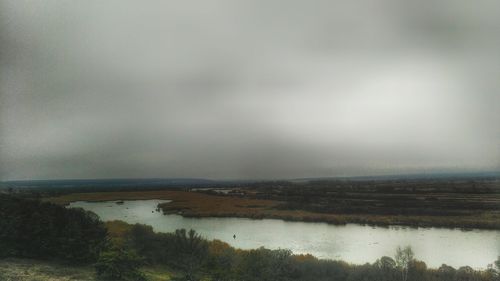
(244, 89)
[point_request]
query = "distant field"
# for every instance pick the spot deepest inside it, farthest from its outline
(461, 205)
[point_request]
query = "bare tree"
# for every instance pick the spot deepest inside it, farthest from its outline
(404, 257)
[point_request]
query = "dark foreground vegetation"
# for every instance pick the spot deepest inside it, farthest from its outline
(119, 251)
(34, 229)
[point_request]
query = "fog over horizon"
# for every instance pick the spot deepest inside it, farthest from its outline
(248, 89)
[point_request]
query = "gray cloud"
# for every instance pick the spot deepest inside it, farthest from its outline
(248, 89)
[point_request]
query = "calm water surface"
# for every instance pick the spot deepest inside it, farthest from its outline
(353, 243)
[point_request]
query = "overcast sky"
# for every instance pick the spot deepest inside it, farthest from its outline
(248, 89)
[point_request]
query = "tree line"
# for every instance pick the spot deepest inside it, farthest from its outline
(196, 258)
(35, 229)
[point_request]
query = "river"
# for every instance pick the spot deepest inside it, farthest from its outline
(352, 243)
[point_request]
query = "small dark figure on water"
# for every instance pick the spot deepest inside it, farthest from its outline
(234, 236)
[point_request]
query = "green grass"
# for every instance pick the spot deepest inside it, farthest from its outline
(157, 273)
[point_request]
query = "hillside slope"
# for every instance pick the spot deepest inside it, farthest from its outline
(35, 270)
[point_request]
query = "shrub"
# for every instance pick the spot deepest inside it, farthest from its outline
(119, 264)
(34, 229)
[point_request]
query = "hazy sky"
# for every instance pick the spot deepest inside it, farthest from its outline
(248, 89)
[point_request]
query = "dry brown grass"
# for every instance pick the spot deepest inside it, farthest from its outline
(195, 204)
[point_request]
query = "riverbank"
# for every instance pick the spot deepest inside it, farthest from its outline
(219, 261)
(195, 204)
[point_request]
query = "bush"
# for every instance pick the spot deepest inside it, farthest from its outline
(34, 229)
(119, 264)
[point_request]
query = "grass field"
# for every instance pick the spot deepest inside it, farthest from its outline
(14, 269)
(35, 270)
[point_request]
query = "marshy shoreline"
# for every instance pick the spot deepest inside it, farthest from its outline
(253, 204)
